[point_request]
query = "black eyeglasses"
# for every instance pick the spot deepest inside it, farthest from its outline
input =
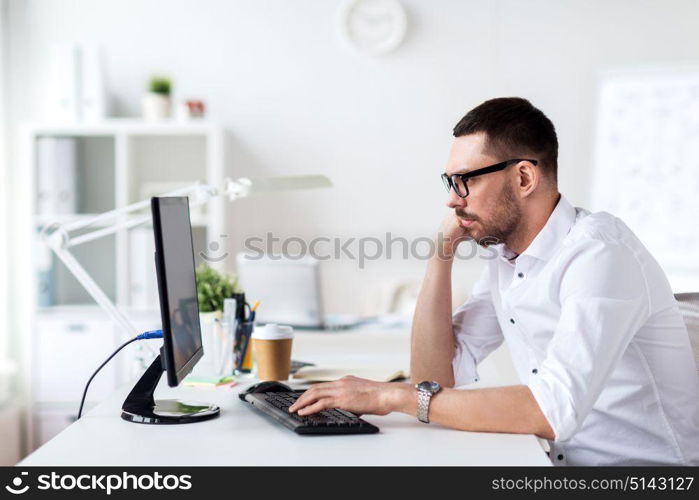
(459, 182)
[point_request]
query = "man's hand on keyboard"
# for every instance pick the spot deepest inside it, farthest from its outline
(356, 395)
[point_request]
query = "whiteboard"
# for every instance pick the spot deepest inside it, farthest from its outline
(646, 168)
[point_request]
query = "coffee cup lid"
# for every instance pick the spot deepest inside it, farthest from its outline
(272, 331)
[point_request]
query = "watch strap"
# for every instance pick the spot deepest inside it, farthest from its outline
(423, 405)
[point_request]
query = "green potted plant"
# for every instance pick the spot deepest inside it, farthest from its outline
(156, 103)
(213, 287)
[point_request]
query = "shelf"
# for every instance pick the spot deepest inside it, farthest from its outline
(58, 286)
(127, 126)
(161, 164)
(118, 161)
(77, 309)
(93, 310)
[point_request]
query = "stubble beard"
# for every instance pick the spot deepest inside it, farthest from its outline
(502, 221)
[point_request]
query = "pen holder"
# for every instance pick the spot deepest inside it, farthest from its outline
(243, 347)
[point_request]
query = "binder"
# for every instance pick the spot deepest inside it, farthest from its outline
(57, 180)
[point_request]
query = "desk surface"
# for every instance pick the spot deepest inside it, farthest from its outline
(243, 436)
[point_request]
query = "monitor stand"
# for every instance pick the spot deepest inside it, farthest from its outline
(140, 407)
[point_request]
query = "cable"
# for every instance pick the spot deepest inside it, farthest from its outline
(153, 334)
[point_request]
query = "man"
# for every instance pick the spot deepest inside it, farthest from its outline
(606, 369)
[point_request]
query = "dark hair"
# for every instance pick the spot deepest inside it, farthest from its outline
(514, 129)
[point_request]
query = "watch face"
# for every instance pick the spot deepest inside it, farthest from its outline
(429, 386)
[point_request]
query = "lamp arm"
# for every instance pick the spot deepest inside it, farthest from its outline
(95, 291)
(201, 194)
(60, 241)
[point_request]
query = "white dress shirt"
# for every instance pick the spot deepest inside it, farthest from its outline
(596, 334)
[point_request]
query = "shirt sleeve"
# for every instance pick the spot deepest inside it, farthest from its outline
(476, 331)
(604, 302)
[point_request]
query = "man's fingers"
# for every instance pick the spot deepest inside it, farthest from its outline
(310, 396)
(303, 400)
(319, 405)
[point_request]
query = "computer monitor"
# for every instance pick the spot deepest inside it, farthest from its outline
(177, 287)
(179, 311)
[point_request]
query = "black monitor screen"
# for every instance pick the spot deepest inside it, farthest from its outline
(177, 286)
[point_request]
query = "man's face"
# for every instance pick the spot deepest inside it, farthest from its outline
(491, 212)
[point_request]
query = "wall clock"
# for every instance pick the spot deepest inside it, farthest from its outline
(374, 27)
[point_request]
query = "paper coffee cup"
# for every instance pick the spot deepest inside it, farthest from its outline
(272, 345)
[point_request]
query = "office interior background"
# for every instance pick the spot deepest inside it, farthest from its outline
(293, 87)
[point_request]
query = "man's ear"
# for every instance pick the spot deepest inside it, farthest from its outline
(528, 177)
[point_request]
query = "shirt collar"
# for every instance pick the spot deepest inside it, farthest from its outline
(556, 228)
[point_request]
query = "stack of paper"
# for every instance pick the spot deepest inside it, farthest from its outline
(328, 374)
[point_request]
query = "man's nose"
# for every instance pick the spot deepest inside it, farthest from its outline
(455, 201)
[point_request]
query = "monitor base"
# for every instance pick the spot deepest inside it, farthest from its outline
(140, 407)
(172, 411)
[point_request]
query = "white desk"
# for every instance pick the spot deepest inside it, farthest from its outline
(243, 436)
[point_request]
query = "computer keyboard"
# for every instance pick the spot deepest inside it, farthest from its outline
(331, 421)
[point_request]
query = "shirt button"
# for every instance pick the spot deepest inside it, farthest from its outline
(560, 457)
(512, 321)
(520, 275)
(535, 371)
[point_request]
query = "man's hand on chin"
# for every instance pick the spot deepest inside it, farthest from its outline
(358, 395)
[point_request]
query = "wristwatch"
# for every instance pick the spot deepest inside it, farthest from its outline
(425, 391)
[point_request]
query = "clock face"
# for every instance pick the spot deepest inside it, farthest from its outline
(373, 26)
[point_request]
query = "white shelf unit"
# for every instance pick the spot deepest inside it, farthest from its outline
(118, 162)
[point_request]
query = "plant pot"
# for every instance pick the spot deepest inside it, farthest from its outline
(155, 107)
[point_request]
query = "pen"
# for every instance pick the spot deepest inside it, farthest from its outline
(252, 311)
(247, 356)
(247, 333)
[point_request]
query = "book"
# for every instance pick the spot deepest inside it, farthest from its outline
(329, 374)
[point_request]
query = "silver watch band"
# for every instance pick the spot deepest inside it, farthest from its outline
(423, 405)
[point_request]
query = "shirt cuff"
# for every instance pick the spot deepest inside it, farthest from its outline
(464, 367)
(554, 402)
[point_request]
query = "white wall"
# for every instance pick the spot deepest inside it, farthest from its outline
(9, 415)
(296, 101)
(3, 201)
